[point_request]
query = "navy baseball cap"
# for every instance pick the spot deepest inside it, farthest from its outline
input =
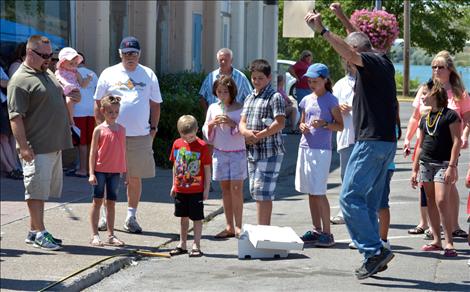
(317, 70)
(129, 44)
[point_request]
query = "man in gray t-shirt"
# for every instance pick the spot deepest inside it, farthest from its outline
(40, 124)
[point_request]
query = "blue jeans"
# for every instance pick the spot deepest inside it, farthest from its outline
(363, 186)
(111, 181)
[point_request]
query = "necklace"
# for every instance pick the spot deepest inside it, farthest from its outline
(431, 124)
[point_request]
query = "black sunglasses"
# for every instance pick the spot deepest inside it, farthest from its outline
(438, 67)
(44, 56)
(132, 53)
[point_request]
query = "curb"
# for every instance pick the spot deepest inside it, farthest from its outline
(96, 274)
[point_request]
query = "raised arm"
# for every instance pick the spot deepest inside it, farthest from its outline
(338, 11)
(339, 45)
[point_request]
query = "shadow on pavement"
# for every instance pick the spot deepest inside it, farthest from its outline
(418, 284)
(23, 285)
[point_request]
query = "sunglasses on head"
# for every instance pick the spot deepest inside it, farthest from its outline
(114, 99)
(44, 56)
(438, 67)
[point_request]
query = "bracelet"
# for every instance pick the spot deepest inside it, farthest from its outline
(154, 128)
(452, 165)
(324, 30)
(325, 125)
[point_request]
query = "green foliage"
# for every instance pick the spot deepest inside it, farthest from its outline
(180, 97)
(414, 83)
(435, 25)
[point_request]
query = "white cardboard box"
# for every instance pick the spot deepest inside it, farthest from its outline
(262, 241)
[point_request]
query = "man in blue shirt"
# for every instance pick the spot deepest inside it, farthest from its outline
(224, 58)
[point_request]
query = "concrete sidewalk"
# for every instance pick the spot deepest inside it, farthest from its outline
(26, 268)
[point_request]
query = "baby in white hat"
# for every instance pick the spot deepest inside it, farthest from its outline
(68, 76)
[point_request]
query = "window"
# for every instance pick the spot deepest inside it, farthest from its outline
(21, 19)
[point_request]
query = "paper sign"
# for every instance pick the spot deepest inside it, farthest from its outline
(293, 23)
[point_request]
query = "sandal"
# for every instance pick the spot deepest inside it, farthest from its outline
(195, 252)
(459, 233)
(114, 241)
(450, 252)
(428, 234)
(178, 251)
(416, 230)
(96, 241)
(224, 234)
(431, 247)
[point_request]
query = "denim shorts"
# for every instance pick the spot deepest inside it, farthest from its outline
(432, 172)
(229, 165)
(111, 181)
(386, 191)
(263, 177)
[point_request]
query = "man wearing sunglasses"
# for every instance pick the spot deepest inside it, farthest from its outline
(140, 95)
(40, 125)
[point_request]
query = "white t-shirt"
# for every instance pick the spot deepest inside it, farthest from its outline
(136, 89)
(85, 107)
(344, 91)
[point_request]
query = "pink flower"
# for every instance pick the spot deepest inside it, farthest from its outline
(379, 25)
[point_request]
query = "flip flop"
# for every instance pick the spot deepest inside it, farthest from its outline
(178, 251)
(195, 252)
(459, 233)
(431, 247)
(450, 252)
(224, 234)
(416, 230)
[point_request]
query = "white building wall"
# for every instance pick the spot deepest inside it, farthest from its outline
(92, 30)
(253, 31)
(237, 34)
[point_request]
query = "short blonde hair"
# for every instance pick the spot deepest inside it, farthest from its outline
(109, 100)
(34, 40)
(187, 124)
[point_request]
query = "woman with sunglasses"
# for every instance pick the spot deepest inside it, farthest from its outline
(444, 71)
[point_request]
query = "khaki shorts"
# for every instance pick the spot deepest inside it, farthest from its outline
(43, 176)
(140, 162)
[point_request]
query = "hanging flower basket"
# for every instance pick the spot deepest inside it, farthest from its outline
(381, 27)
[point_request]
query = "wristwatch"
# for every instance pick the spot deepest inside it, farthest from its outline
(325, 125)
(154, 128)
(323, 31)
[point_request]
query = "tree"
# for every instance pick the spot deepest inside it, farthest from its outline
(435, 26)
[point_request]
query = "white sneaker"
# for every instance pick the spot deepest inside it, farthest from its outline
(102, 224)
(386, 244)
(132, 226)
(352, 245)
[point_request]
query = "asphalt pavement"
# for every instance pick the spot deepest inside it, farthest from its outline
(26, 268)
